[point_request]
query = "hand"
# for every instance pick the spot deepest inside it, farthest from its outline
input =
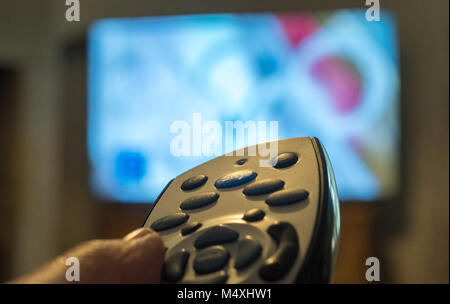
(137, 258)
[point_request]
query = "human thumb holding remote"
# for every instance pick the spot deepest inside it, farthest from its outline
(137, 258)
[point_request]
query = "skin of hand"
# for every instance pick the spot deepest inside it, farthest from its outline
(135, 259)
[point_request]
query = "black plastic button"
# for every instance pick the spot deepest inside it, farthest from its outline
(211, 259)
(194, 182)
(241, 161)
(235, 179)
(215, 278)
(278, 265)
(284, 160)
(287, 197)
(248, 251)
(169, 221)
(190, 228)
(199, 200)
(215, 236)
(254, 215)
(175, 266)
(263, 186)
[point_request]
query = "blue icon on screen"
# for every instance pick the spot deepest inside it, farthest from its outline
(130, 167)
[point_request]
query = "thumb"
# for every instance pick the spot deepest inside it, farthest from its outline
(142, 257)
(137, 258)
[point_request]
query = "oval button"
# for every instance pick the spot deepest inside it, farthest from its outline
(248, 251)
(287, 197)
(199, 200)
(211, 259)
(194, 182)
(190, 228)
(235, 179)
(216, 235)
(169, 221)
(284, 160)
(175, 266)
(254, 215)
(280, 262)
(263, 186)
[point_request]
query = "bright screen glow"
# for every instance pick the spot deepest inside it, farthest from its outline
(332, 75)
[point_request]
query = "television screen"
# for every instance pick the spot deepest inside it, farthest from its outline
(151, 81)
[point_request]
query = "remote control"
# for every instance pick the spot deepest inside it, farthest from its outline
(232, 220)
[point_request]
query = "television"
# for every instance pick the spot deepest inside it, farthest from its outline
(333, 75)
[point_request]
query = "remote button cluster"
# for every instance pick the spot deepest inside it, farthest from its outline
(263, 186)
(247, 253)
(175, 266)
(254, 215)
(199, 200)
(190, 228)
(194, 182)
(287, 197)
(284, 160)
(216, 235)
(211, 256)
(277, 266)
(211, 259)
(169, 221)
(235, 179)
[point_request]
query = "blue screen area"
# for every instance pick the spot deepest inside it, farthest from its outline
(332, 75)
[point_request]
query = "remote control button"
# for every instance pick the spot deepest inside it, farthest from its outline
(215, 278)
(194, 182)
(175, 266)
(263, 186)
(287, 197)
(236, 178)
(169, 221)
(199, 200)
(248, 251)
(211, 259)
(254, 215)
(277, 266)
(215, 236)
(190, 227)
(241, 161)
(286, 159)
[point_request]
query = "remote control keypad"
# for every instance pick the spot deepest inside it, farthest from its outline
(209, 255)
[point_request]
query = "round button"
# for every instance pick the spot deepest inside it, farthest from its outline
(254, 215)
(284, 160)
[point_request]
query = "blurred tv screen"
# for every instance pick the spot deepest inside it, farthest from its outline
(333, 75)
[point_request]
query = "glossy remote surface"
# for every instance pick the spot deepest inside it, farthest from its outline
(231, 220)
